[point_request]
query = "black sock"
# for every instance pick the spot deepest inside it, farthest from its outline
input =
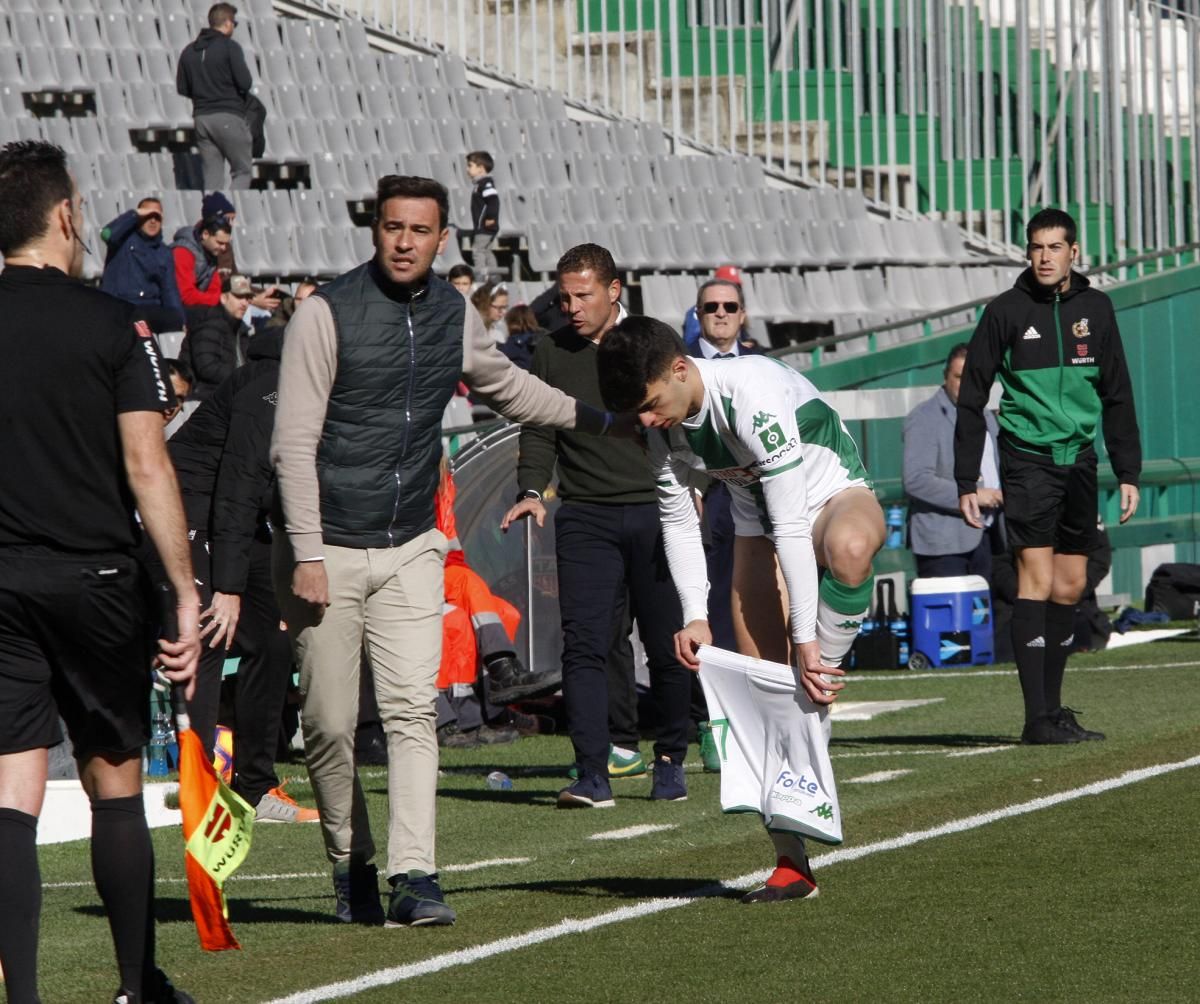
(1029, 646)
(123, 867)
(1060, 632)
(20, 904)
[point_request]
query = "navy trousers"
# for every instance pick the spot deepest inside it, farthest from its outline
(604, 550)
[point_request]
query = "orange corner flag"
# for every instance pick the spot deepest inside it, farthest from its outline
(216, 829)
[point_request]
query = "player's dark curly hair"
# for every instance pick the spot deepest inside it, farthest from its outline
(635, 353)
(33, 180)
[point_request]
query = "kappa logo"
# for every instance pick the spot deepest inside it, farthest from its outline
(272, 398)
(761, 419)
(1038, 642)
(825, 811)
(850, 625)
(1080, 328)
(1030, 334)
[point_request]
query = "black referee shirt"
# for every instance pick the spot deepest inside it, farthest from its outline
(71, 359)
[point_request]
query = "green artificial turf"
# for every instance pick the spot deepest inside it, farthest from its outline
(1092, 899)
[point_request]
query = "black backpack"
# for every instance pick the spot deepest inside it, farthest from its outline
(1175, 590)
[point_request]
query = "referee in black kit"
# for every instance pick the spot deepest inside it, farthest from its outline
(82, 391)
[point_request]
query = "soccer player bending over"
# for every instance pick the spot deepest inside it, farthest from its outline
(800, 501)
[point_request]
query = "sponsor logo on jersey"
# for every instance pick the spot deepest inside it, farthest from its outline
(1081, 355)
(739, 477)
(141, 329)
(159, 384)
(1030, 334)
(1080, 328)
(800, 782)
(772, 438)
(761, 419)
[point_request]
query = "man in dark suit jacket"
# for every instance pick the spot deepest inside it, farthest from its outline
(942, 542)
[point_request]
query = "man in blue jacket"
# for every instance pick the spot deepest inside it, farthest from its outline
(138, 267)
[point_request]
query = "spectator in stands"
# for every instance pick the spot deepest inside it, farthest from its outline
(524, 332)
(182, 379)
(217, 204)
(196, 252)
(724, 323)
(942, 542)
(288, 304)
(691, 323)
(462, 278)
(491, 300)
(607, 539)
(138, 266)
(361, 372)
(218, 338)
(485, 214)
(212, 72)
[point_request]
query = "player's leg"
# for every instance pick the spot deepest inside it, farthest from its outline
(328, 650)
(1034, 491)
(1077, 536)
(102, 690)
(591, 571)
(22, 786)
(656, 608)
(406, 591)
(847, 534)
(760, 611)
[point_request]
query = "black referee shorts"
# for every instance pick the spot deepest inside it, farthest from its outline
(1047, 504)
(74, 642)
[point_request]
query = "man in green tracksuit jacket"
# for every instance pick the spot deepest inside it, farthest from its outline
(1054, 342)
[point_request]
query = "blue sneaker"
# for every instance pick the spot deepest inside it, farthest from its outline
(669, 784)
(417, 901)
(591, 791)
(356, 889)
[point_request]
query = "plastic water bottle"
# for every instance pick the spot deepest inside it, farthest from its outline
(156, 765)
(899, 628)
(895, 528)
(499, 781)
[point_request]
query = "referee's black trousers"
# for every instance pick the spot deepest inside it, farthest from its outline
(603, 550)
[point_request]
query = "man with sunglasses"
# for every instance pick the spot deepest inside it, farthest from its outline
(139, 269)
(721, 310)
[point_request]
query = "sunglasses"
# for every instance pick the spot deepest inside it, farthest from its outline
(731, 306)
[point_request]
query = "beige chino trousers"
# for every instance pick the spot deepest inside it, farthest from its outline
(389, 599)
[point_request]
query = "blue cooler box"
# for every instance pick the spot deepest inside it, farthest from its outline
(951, 622)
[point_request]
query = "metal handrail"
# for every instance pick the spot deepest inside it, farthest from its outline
(825, 340)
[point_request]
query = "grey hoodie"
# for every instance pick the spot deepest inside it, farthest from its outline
(213, 73)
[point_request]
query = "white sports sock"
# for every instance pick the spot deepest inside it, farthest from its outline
(836, 632)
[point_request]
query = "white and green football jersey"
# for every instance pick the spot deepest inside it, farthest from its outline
(765, 431)
(773, 743)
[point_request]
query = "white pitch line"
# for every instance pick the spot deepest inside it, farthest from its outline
(633, 831)
(470, 866)
(980, 750)
(466, 956)
(950, 674)
(878, 777)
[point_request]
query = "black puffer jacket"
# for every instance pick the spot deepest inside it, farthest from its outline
(245, 477)
(217, 343)
(197, 448)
